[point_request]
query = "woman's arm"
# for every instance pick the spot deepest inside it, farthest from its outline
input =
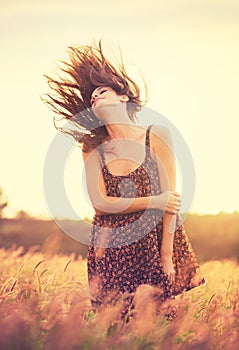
(163, 151)
(104, 204)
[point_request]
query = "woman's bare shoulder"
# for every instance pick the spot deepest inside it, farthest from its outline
(160, 130)
(161, 137)
(90, 153)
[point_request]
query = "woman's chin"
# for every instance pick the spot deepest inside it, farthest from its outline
(107, 109)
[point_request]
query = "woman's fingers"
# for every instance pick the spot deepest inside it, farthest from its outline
(171, 277)
(174, 202)
(176, 194)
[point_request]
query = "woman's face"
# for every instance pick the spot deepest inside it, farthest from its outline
(105, 95)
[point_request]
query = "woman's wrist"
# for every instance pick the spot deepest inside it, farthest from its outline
(166, 249)
(153, 202)
(166, 254)
(156, 202)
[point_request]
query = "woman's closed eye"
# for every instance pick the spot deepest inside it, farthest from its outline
(102, 91)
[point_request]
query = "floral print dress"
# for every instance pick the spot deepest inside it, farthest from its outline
(124, 250)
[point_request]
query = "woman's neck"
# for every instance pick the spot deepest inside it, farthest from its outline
(116, 120)
(121, 129)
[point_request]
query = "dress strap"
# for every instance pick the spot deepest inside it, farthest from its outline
(102, 156)
(147, 140)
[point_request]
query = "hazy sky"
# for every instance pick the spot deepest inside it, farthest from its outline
(189, 54)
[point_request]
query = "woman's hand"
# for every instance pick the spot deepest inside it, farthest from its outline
(169, 201)
(167, 263)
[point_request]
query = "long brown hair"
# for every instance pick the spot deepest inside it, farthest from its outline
(87, 69)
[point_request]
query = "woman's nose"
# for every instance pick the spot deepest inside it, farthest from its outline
(94, 97)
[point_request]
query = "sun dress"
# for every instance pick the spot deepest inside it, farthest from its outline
(124, 249)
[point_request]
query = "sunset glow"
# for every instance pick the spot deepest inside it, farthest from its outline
(188, 53)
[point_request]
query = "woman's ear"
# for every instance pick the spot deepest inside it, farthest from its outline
(124, 98)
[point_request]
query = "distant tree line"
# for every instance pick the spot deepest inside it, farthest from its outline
(212, 236)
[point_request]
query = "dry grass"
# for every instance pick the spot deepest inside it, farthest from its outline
(45, 304)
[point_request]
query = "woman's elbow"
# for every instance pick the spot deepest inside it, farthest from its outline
(100, 206)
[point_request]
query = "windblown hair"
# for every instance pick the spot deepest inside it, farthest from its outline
(87, 69)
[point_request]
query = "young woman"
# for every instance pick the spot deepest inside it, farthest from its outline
(137, 235)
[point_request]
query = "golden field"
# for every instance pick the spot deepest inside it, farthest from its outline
(45, 304)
